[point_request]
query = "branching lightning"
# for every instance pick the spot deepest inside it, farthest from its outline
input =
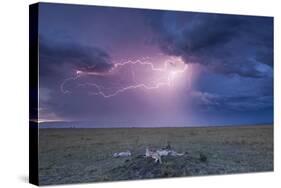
(168, 70)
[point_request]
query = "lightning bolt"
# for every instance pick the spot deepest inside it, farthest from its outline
(67, 80)
(100, 90)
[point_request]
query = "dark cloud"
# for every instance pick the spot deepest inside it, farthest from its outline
(227, 44)
(58, 56)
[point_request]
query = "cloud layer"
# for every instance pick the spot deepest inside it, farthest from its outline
(227, 44)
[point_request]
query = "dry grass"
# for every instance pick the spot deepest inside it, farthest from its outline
(85, 155)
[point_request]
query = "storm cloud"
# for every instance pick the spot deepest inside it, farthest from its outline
(229, 79)
(226, 44)
(58, 56)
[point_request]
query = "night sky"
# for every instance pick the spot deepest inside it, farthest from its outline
(137, 67)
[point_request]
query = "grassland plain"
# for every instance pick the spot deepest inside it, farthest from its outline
(72, 155)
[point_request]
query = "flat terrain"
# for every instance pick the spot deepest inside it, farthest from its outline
(85, 155)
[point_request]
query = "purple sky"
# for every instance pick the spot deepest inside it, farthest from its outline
(154, 68)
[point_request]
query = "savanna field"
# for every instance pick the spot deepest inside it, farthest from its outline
(72, 155)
